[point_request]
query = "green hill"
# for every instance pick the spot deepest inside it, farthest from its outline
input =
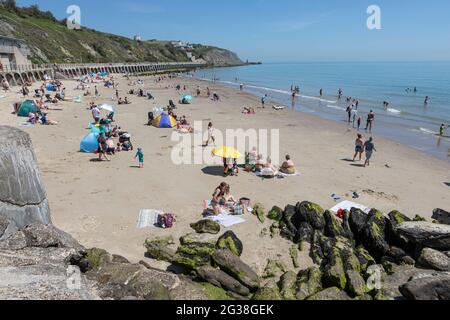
(50, 41)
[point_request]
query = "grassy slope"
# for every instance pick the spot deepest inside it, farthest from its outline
(59, 44)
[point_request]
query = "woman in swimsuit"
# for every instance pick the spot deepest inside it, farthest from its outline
(219, 197)
(359, 148)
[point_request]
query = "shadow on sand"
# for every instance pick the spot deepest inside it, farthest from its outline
(214, 171)
(357, 165)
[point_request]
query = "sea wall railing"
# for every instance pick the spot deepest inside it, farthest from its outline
(20, 74)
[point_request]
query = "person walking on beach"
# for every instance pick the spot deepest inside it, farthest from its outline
(102, 148)
(359, 148)
(96, 92)
(359, 124)
(427, 100)
(370, 120)
(117, 94)
(263, 101)
(140, 156)
(96, 114)
(340, 94)
(210, 135)
(354, 115)
(349, 113)
(442, 130)
(369, 148)
(321, 92)
(208, 92)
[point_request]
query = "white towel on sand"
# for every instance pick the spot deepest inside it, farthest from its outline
(148, 218)
(227, 220)
(348, 205)
(296, 174)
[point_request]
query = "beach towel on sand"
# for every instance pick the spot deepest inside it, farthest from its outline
(226, 220)
(279, 174)
(148, 218)
(348, 205)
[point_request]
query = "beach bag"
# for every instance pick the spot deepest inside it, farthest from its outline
(166, 220)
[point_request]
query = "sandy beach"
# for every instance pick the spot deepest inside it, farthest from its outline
(99, 202)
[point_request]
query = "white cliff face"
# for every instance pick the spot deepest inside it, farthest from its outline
(23, 199)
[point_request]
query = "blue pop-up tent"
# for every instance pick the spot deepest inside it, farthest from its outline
(89, 144)
(51, 87)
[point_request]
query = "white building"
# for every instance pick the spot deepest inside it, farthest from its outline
(13, 52)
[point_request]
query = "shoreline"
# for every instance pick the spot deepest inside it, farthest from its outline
(399, 125)
(99, 203)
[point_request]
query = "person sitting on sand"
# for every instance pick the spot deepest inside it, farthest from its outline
(218, 199)
(5, 85)
(32, 118)
(228, 196)
(126, 101)
(359, 148)
(249, 110)
(47, 122)
(288, 166)
(270, 166)
(260, 163)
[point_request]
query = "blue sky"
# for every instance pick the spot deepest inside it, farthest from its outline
(279, 31)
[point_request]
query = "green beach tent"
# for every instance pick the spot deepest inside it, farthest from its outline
(26, 107)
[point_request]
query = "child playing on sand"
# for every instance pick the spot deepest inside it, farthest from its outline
(140, 155)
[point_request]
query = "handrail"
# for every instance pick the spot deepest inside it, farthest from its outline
(46, 67)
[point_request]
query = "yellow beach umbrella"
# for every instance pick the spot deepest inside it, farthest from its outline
(226, 152)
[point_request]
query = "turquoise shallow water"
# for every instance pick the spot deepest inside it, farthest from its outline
(407, 120)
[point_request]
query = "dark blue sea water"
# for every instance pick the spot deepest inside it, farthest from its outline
(407, 119)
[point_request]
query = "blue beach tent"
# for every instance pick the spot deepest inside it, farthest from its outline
(89, 144)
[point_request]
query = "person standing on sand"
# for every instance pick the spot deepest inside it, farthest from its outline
(370, 120)
(354, 115)
(369, 148)
(349, 113)
(263, 101)
(210, 135)
(102, 148)
(359, 148)
(140, 155)
(208, 92)
(96, 114)
(96, 92)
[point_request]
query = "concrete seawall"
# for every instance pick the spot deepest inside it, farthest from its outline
(18, 75)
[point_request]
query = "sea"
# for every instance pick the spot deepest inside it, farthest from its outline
(407, 119)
